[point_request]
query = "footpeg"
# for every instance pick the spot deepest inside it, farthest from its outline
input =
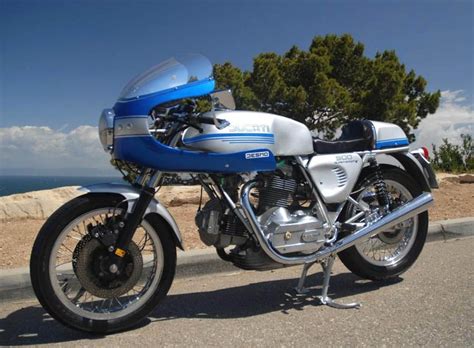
(348, 227)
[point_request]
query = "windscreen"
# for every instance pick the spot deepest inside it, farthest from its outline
(173, 72)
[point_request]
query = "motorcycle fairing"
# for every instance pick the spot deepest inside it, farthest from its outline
(147, 151)
(134, 143)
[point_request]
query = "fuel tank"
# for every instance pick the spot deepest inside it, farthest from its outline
(250, 131)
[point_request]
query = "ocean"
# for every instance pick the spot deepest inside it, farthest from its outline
(10, 184)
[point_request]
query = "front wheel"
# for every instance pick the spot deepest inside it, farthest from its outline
(73, 274)
(391, 252)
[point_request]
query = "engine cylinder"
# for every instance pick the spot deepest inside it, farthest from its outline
(277, 192)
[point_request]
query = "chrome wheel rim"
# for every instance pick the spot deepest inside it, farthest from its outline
(390, 246)
(70, 292)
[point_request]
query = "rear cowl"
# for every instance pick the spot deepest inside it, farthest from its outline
(250, 131)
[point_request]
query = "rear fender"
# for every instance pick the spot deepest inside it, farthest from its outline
(131, 194)
(413, 167)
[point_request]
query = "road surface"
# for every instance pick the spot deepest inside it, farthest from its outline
(432, 304)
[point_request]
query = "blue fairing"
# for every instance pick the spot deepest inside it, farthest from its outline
(147, 151)
(171, 80)
(143, 104)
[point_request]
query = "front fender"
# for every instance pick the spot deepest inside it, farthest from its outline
(131, 194)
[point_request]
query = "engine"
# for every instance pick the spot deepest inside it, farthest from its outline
(290, 226)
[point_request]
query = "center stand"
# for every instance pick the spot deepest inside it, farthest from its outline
(326, 264)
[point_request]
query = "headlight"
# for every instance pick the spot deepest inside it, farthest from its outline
(106, 129)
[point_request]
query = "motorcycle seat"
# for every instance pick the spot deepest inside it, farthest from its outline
(356, 136)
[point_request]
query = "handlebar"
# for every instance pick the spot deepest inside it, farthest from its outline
(195, 120)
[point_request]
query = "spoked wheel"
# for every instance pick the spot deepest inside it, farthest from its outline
(76, 279)
(391, 252)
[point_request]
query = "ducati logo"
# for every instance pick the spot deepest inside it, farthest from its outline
(250, 128)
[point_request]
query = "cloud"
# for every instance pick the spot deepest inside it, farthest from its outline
(46, 148)
(452, 119)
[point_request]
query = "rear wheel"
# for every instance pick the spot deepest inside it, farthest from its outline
(73, 275)
(389, 253)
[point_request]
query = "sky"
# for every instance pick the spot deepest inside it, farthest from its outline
(62, 62)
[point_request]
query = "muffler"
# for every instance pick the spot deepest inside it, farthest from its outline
(406, 211)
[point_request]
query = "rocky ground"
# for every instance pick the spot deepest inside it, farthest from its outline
(22, 215)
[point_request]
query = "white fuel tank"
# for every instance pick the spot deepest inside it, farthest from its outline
(250, 131)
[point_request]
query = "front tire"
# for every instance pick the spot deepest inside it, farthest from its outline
(392, 252)
(68, 286)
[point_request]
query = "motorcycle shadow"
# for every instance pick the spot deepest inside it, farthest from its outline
(32, 325)
(261, 297)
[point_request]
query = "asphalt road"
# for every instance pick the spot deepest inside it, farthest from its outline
(432, 304)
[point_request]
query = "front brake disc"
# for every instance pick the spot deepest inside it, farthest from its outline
(91, 267)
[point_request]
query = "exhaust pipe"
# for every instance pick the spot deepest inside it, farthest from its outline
(406, 211)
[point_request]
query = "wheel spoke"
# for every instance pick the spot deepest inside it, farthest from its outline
(391, 245)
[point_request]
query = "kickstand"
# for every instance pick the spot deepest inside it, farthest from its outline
(324, 298)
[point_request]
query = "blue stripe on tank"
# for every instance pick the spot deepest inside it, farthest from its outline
(231, 136)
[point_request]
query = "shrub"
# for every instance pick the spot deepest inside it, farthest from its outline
(454, 158)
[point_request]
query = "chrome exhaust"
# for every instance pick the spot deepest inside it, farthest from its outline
(406, 211)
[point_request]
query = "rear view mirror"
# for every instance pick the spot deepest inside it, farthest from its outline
(223, 100)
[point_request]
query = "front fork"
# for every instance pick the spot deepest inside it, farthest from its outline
(133, 219)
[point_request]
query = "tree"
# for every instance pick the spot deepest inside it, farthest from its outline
(228, 76)
(331, 83)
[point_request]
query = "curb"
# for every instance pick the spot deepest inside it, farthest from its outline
(15, 283)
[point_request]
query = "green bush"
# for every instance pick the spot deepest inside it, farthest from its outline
(454, 158)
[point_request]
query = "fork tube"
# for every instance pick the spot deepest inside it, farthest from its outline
(155, 179)
(139, 208)
(133, 220)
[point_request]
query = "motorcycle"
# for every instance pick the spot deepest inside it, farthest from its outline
(277, 196)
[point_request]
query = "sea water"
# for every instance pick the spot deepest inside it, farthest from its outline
(10, 184)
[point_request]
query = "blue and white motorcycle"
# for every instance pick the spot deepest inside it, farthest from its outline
(277, 197)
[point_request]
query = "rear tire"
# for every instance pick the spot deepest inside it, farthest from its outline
(358, 262)
(55, 302)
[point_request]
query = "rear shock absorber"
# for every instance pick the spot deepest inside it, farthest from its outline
(381, 190)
